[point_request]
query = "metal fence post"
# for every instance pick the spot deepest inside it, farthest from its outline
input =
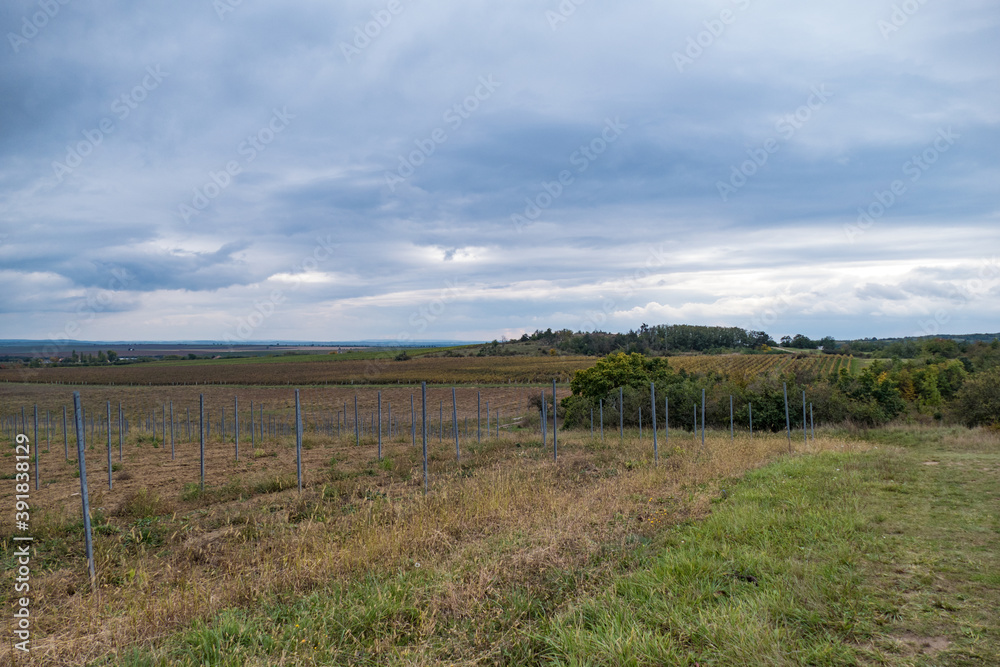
(35, 445)
(703, 419)
(298, 439)
(454, 421)
(109, 446)
(82, 461)
(65, 435)
(201, 438)
(805, 432)
(652, 398)
(555, 426)
(423, 428)
(788, 422)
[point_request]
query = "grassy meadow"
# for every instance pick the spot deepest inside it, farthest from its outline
(876, 547)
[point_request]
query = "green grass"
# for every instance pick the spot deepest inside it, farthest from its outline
(888, 557)
(853, 559)
(775, 576)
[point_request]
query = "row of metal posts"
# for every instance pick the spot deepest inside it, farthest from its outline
(203, 428)
(808, 423)
(275, 428)
(272, 426)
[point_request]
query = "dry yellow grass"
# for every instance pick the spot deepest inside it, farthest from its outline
(505, 518)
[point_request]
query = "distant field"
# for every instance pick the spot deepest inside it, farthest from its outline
(747, 365)
(380, 367)
(317, 369)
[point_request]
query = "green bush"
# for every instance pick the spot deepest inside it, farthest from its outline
(621, 370)
(978, 401)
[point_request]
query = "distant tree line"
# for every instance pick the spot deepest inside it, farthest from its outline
(914, 348)
(667, 339)
(658, 340)
(102, 358)
(945, 379)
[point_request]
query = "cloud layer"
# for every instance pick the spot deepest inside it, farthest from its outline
(393, 169)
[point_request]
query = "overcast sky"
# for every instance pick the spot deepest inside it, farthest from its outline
(402, 169)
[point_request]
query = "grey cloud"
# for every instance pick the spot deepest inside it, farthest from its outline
(875, 291)
(325, 173)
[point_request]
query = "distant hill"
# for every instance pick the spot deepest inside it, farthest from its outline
(968, 338)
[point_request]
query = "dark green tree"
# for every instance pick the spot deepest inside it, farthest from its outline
(978, 401)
